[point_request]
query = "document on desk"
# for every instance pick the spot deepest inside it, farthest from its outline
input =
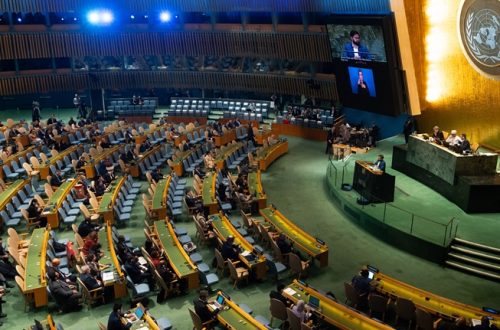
(142, 261)
(108, 276)
(289, 291)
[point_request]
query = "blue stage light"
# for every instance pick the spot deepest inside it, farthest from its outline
(100, 17)
(93, 17)
(165, 16)
(106, 17)
(132, 17)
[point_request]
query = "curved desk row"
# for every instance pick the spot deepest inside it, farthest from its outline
(256, 189)
(109, 198)
(34, 277)
(159, 203)
(111, 263)
(184, 136)
(208, 193)
(55, 202)
(261, 136)
(15, 157)
(302, 241)
(176, 255)
(267, 155)
(232, 316)
(331, 311)
(45, 168)
(440, 306)
(225, 152)
(11, 191)
(254, 263)
(89, 168)
(176, 165)
(134, 166)
(225, 138)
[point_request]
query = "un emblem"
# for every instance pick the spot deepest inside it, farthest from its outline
(479, 31)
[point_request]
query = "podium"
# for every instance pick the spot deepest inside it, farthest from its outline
(372, 184)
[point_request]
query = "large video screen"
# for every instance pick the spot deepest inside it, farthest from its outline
(366, 63)
(359, 42)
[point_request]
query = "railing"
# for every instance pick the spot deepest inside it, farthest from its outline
(339, 176)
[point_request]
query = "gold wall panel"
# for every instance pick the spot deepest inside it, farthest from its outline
(452, 94)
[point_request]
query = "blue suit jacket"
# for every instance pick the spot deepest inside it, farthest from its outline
(349, 51)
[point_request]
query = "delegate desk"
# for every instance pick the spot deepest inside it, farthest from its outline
(447, 164)
(177, 165)
(373, 184)
(182, 265)
(262, 136)
(225, 152)
(225, 138)
(34, 277)
(15, 157)
(231, 316)
(159, 204)
(112, 275)
(267, 155)
(255, 263)
(134, 167)
(331, 311)
(184, 135)
(428, 301)
(11, 191)
(304, 242)
(45, 168)
(89, 168)
(23, 139)
(256, 189)
(51, 208)
(208, 193)
(109, 198)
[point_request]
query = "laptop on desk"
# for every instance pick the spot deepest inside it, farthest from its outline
(313, 302)
(218, 303)
(139, 313)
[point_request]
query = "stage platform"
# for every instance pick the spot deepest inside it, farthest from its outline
(419, 220)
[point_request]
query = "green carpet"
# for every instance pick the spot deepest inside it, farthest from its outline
(295, 183)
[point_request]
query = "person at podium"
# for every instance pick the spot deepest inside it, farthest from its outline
(437, 135)
(465, 147)
(453, 141)
(380, 163)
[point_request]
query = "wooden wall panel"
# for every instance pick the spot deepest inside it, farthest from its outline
(38, 83)
(308, 47)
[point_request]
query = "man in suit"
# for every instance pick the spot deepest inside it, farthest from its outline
(380, 163)
(329, 140)
(90, 282)
(137, 272)
(354, 49)
(465, 147)
(278, 294)
(229, 250)
(201, 307)
(67, 298)
(54, 268)
(115, 319)
(56, 180)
